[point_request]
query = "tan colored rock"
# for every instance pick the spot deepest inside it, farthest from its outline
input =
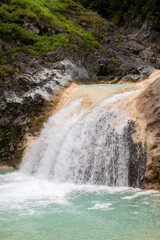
(148, 105)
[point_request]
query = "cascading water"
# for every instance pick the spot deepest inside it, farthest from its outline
(83, 144)
(58, 192)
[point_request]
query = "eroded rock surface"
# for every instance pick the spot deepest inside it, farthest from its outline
(148, 105)
(25, 99)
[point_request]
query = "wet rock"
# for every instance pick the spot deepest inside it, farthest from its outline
(32, 90)
(148, 104)
(137, 157)
(31, 27)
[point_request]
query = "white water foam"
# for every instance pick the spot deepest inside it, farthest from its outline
(22, 192)
(101, 206)
(143, 193)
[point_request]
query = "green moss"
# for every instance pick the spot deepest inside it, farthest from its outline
(145, 146)
(114, 61)
(52, 13)
(120, 39)
(6, 71)
(105, 50)
(2, 55)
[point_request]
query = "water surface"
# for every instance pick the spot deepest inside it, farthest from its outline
(36, 209)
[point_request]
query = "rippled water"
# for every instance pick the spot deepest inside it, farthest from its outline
(36, 209)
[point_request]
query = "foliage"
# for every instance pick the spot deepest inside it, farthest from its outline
(2, 54)
(115, 9)
(6, 71)
(101, 6)
(65, 21)
(52, 15)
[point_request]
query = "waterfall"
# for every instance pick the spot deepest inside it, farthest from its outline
(84, 144)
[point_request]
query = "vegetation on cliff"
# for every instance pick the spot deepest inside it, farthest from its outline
(115, 10)
(42, 25)
(39, 26)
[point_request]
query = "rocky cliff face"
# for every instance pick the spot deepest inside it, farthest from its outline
(148, 104)
(26, 98)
